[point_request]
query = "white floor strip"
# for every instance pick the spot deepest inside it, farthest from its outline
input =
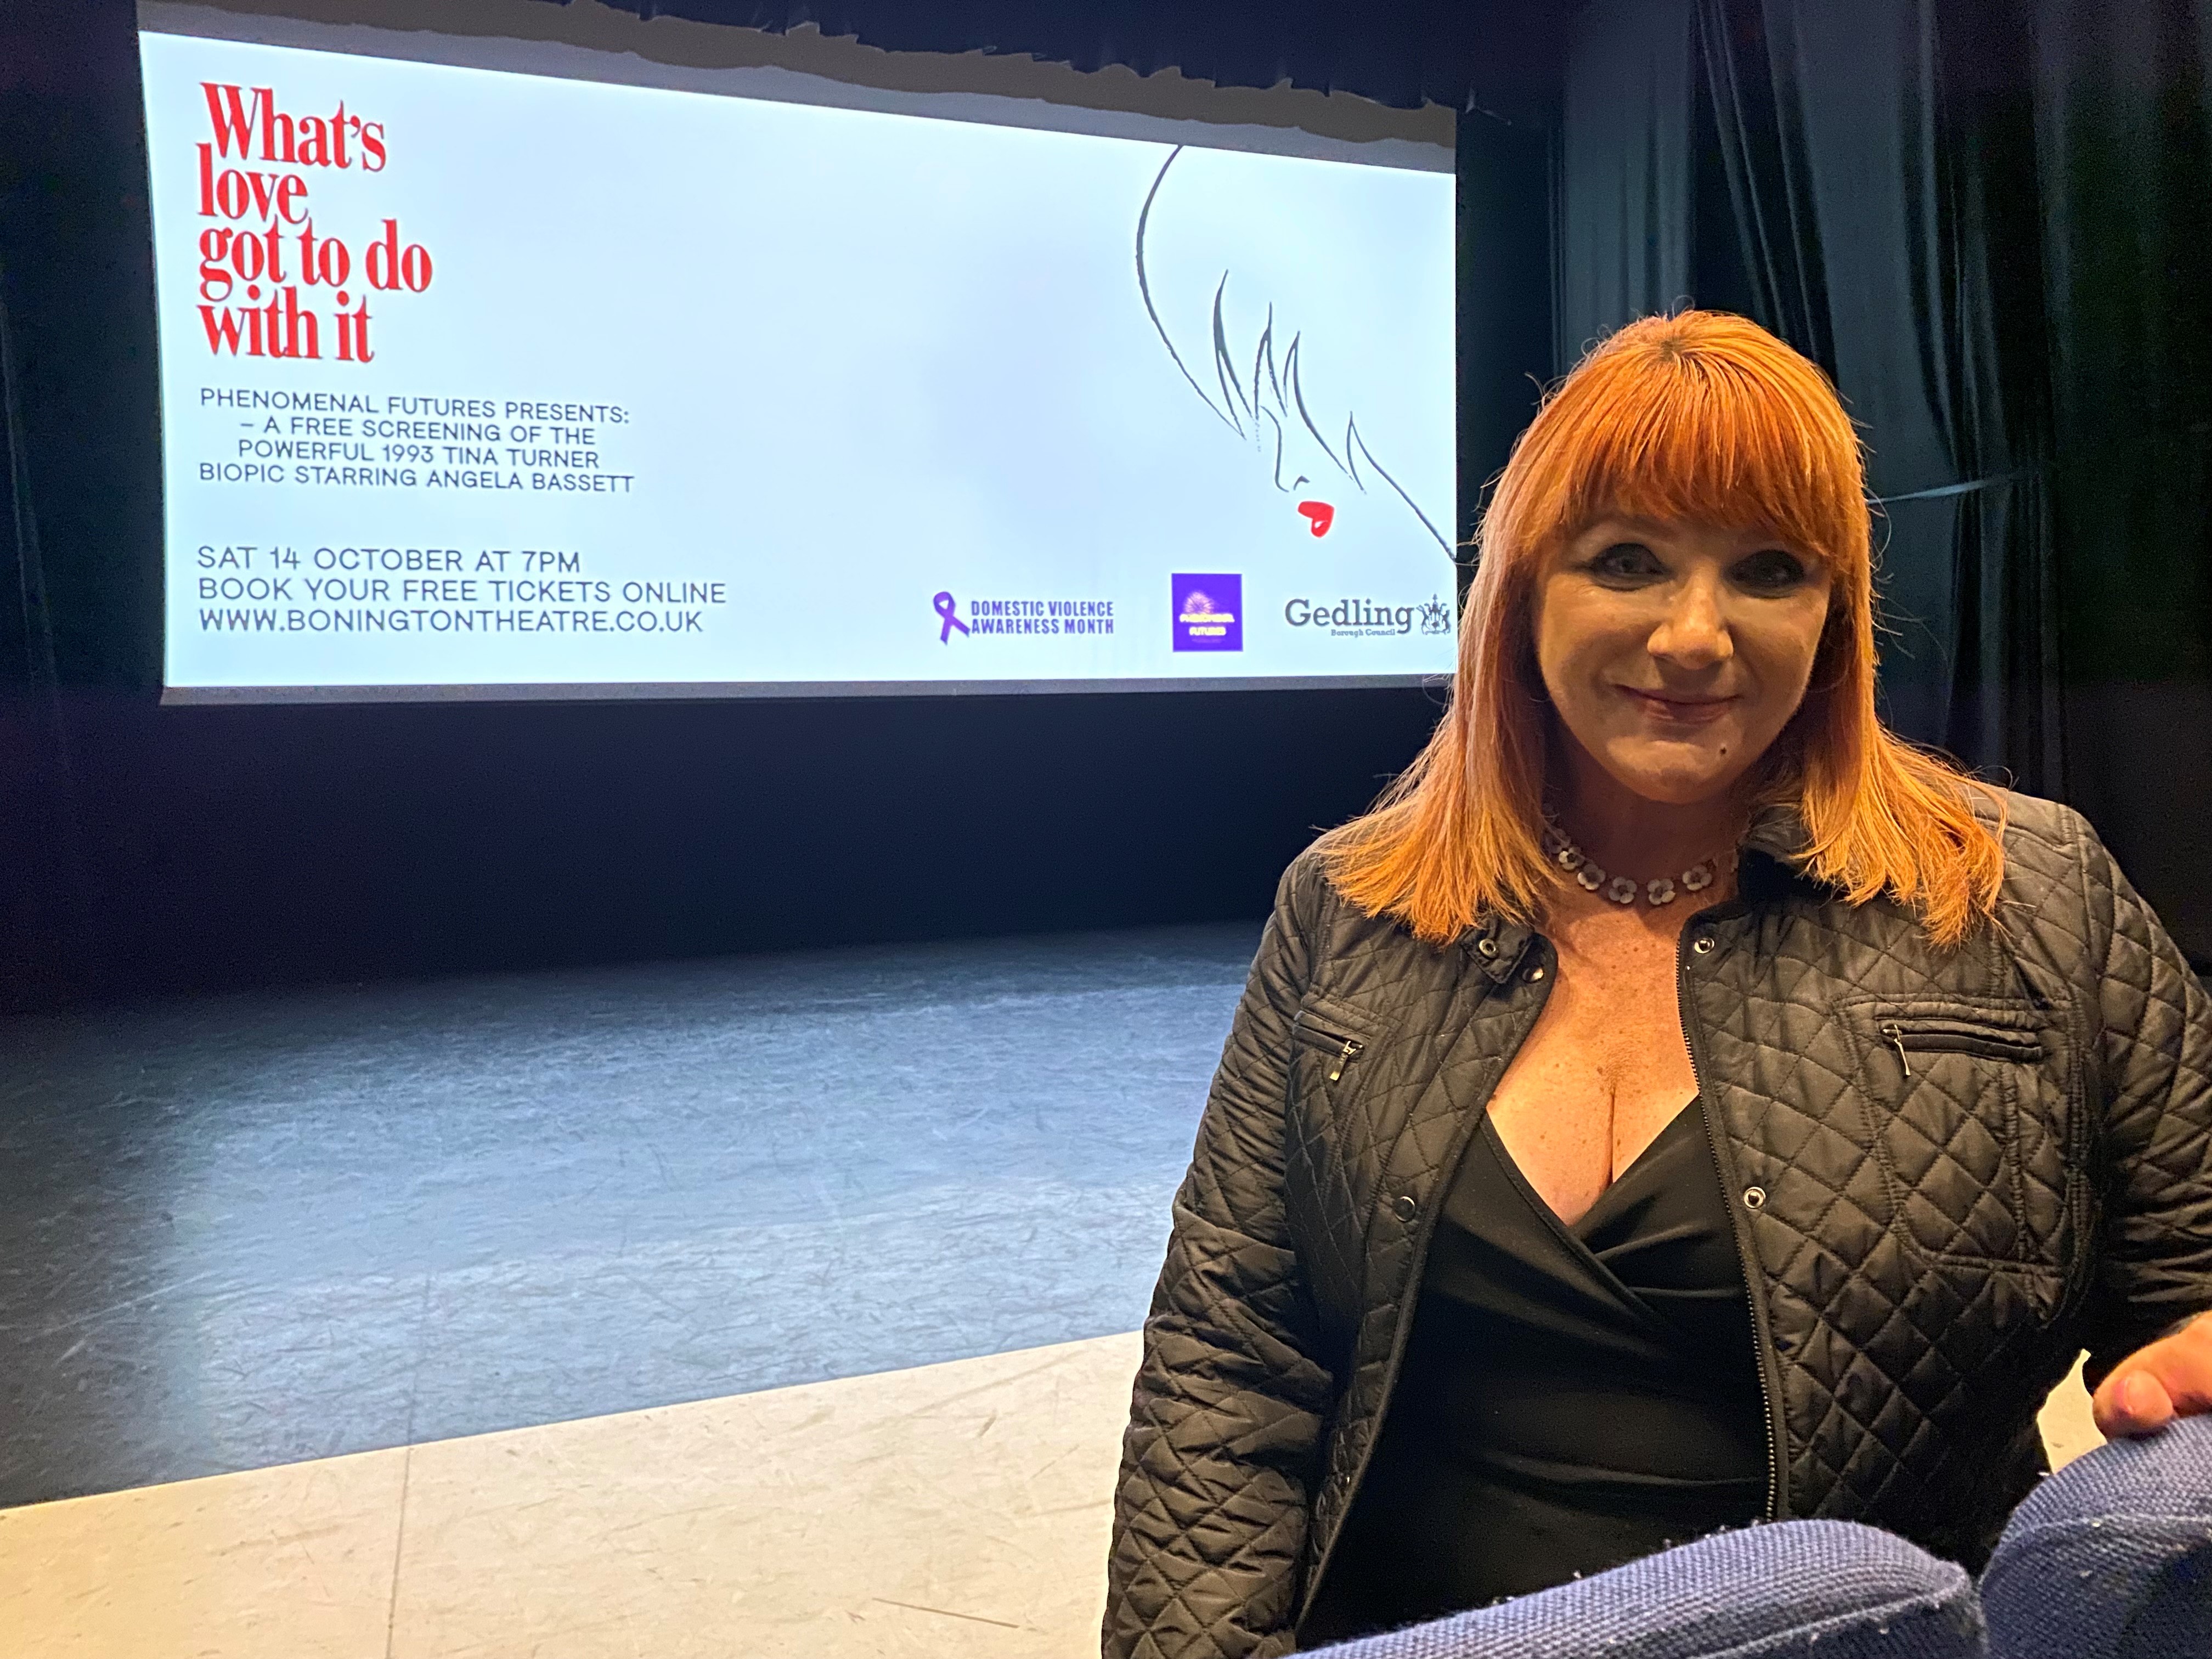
(955, 1508)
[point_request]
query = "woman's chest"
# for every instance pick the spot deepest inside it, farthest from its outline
(1916, 1120)
(1602, 1071)
(1608, 1020)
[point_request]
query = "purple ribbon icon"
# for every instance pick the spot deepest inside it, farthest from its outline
(946, 605)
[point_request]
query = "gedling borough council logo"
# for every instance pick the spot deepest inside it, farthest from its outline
(1207, 611)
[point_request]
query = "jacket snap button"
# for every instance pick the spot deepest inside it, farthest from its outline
(1703, 943)
(1485, 947)
(1404, 1208)
(1754, 1198)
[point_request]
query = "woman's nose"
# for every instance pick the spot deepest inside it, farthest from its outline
(1694, 632)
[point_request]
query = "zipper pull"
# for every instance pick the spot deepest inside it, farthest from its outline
(1349, 1052)
(1895, 1033)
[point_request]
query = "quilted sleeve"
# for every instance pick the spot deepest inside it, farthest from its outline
(2155, 1266)
(1225, 1419)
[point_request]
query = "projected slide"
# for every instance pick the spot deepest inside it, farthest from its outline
(477, 382)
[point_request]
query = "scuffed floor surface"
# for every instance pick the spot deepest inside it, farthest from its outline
(960, 1508)
(245, 1231)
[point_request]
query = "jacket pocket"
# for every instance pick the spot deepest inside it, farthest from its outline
(1966, 1108)
(1942, 1034)
(1329, 1042)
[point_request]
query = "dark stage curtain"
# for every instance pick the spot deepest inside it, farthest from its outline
(80, 456)
(31, 742)
(1987, 221)
(1866, 236)
(1627, 241)
(1819, 168)
(1503, 303)
(2124, 144)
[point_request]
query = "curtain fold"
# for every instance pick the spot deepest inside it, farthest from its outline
(80, 462)
(1857, 180)
(26, 638)
(41, 883)
(1756, 79)
(1866, 181)
(1627, 235)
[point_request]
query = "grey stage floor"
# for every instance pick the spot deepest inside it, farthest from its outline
(241, 1231)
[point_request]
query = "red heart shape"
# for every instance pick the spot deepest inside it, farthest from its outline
(1322, 514)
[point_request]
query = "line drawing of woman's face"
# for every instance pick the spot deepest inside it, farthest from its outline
(1255, 387)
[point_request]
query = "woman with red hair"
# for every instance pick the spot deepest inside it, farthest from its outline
(1681, 1103)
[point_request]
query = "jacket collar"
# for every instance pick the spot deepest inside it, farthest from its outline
(1779, 832)
(1497, 944)
(1783, 846)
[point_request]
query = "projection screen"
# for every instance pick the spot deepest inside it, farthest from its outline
(487, 381)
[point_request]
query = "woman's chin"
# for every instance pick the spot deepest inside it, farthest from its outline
(1666, 782)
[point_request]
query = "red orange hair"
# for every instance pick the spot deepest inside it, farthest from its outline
(1705, 418)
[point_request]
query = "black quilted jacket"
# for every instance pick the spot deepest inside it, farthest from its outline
(1949, 1174)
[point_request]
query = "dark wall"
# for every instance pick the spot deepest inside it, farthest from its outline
(236, 845)
(144, 849)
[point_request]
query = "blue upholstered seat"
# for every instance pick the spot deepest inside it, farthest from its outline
(1822, 1589)
(2112, 1557)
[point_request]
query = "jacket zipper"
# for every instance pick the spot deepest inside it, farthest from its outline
(1744, 1255)
(1958, 1038)
(1895, 1035)
(1349, 1048)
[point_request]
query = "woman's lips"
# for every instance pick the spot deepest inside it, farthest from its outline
(1684, 711)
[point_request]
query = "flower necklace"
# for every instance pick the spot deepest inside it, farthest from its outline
(1560, 847)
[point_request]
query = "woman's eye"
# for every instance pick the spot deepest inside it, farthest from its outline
(1771, 570)
(1624, 559)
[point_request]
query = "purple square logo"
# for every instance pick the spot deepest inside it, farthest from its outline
(1209, 612)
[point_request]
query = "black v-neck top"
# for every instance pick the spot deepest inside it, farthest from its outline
(1571, 1397)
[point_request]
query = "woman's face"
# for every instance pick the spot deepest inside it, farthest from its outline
(1673, 653)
